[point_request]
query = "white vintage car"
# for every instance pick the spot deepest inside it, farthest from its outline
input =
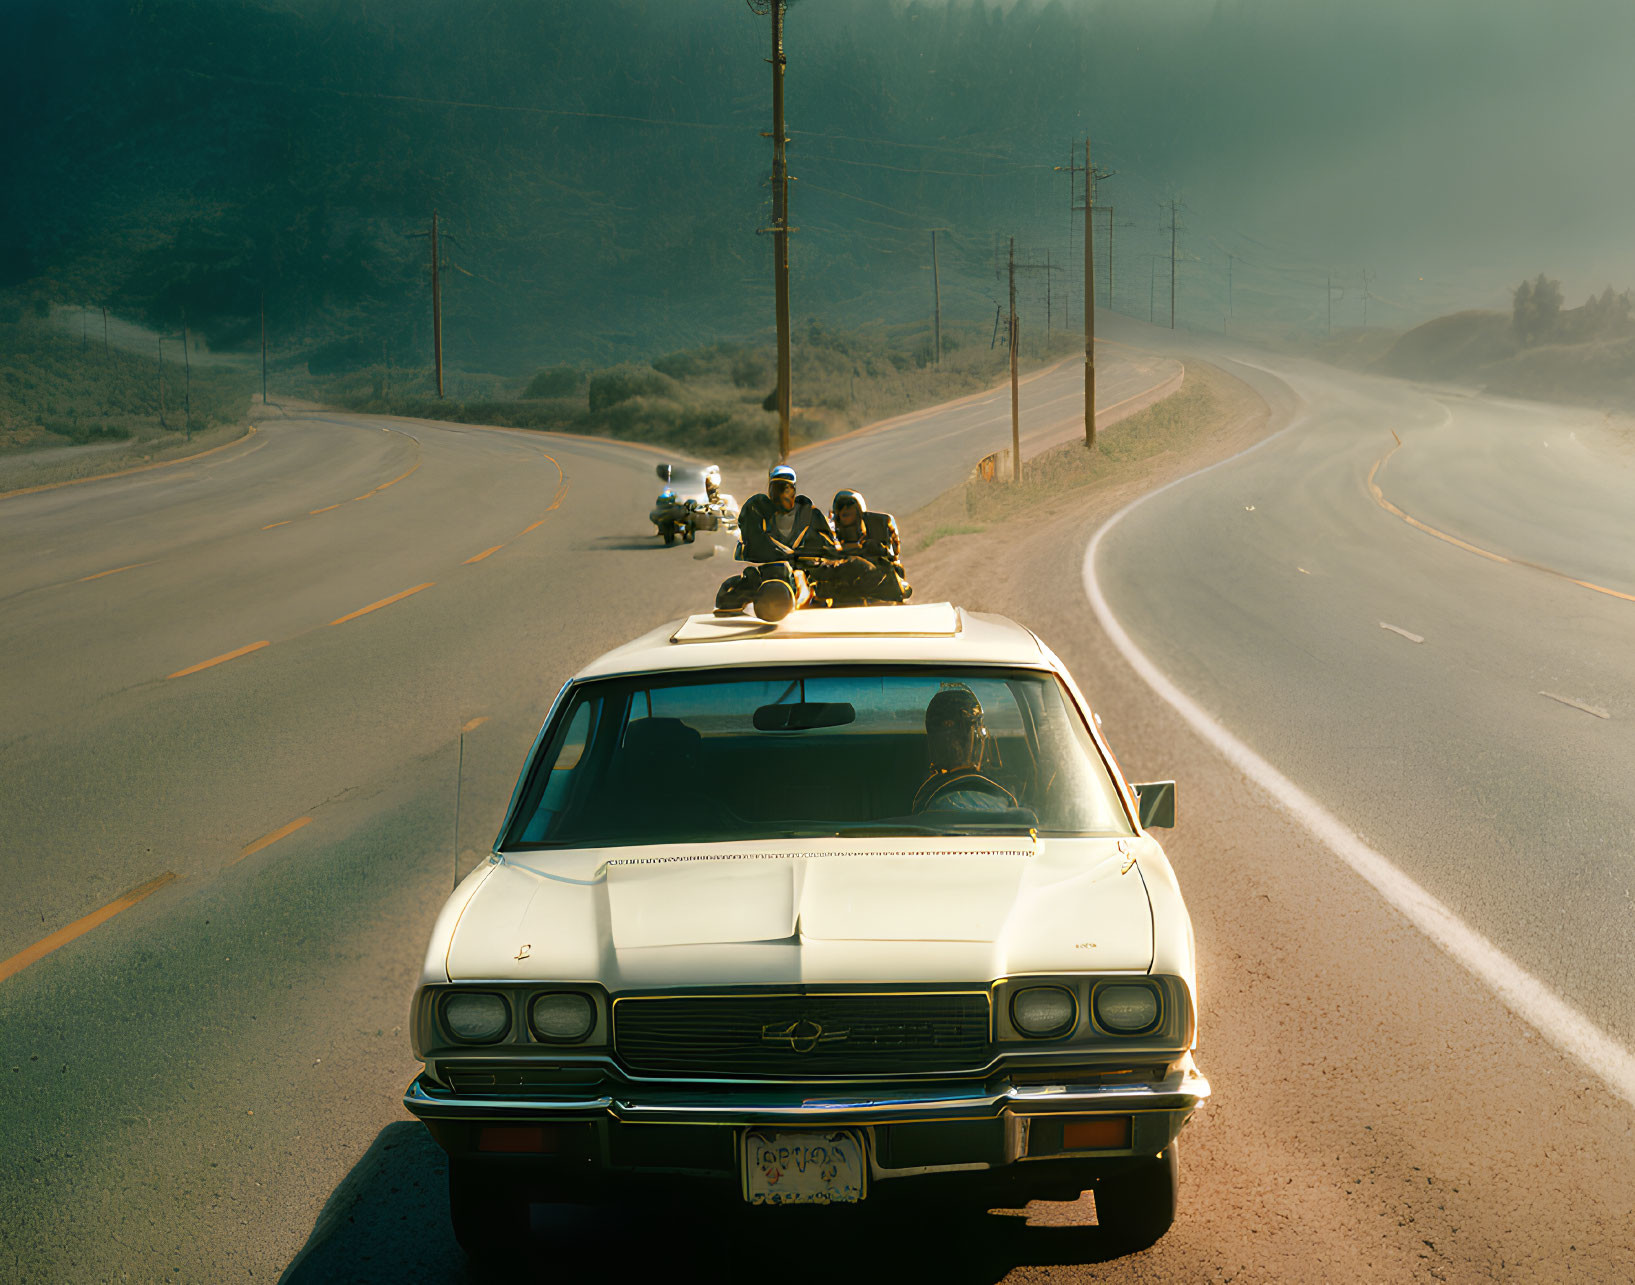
(852, 905)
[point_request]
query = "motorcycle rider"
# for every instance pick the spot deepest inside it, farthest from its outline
(775, 529)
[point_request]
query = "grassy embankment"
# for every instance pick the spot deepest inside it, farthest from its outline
(1167, 427)
(59, 392)
(708, 401)
(1481, 349)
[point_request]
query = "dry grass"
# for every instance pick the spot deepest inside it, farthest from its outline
(1168, 426)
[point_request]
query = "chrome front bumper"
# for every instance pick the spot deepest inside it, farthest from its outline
(1181, 1093)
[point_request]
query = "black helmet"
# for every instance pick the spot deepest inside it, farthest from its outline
(848, 497)
(953, 727)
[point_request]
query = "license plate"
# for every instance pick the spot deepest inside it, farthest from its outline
(803, 1168)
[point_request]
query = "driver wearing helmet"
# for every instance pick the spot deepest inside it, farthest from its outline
(957, 740)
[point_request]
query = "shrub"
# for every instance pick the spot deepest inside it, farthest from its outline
(558, 381)
(621, 383)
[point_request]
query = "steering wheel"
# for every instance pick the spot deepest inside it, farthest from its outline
(972, 781)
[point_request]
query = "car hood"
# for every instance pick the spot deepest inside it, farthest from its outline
(808, 911)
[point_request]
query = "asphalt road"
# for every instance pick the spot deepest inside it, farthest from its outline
(1459, 696)
(234, 698)
(205, 1086)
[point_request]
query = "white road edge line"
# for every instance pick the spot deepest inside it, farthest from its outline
(1527, 997)
(1568, 700)
(1398, 629)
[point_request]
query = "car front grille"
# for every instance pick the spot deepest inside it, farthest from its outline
(798, 1036)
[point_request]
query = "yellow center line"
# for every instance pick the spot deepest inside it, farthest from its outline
(397, 479)
(40, 949)
(532, 526)
(366, 495)
(325, 509)
(131, 567)
(267, 840)
(475, 723)
(271, 525)
(217, 660)
(479, 557)
(384, 602)
(1379, 498)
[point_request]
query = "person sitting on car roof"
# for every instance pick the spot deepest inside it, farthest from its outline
(957, 740)
(775, 530)
(871, 548)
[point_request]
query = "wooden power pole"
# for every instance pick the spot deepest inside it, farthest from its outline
(780, 228)
(1089, 301)
(936, 304)
(436, 299)
(187, 382)
(263, 347)
(436, 307)
(1016, 405)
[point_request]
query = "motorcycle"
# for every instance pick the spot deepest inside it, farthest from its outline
(691, 502)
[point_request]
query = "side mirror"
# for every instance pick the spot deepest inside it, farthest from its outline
(664, 471)
(1155, 802)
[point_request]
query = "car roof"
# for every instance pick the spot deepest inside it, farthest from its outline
(922, 634)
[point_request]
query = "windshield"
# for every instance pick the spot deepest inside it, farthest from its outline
(733, 755)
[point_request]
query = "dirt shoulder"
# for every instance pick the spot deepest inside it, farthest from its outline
(1378, 1115)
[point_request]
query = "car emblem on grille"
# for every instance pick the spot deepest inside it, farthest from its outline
(802, 1036)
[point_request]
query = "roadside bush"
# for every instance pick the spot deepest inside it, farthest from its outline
(558, 381)
(621, 383)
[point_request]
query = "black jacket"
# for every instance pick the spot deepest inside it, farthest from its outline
(877, 541)
(812, 537)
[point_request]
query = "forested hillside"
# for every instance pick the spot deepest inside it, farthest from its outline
(601, 167)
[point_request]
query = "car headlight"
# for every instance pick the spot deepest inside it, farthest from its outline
(562, 1016)
(1042, 1011)
(1127, 1008)
(476, 1017)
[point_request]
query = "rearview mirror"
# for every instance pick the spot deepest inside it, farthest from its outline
(664, 471)
(803, 716)
(1155, 802)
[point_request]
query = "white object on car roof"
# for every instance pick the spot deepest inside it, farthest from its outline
(932, 633)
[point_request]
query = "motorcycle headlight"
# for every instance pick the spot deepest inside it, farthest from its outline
(563, 1017)
(476, 1017)
(1042, 1011)
(1127, 1008)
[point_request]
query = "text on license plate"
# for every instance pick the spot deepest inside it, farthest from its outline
(803, 1168)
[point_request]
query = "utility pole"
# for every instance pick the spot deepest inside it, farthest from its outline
(780, 228)
(436, 300)
(105, 351)
(1089, 302)
(187, 381)
(1173, 205)
(936, 304)
(1047, 303)
(436, 306)
(1016, 409)
(263, 347)
(1091, 174)
(1368, 280)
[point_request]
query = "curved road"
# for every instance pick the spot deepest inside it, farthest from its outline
(237, 695)
(1456, 689)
